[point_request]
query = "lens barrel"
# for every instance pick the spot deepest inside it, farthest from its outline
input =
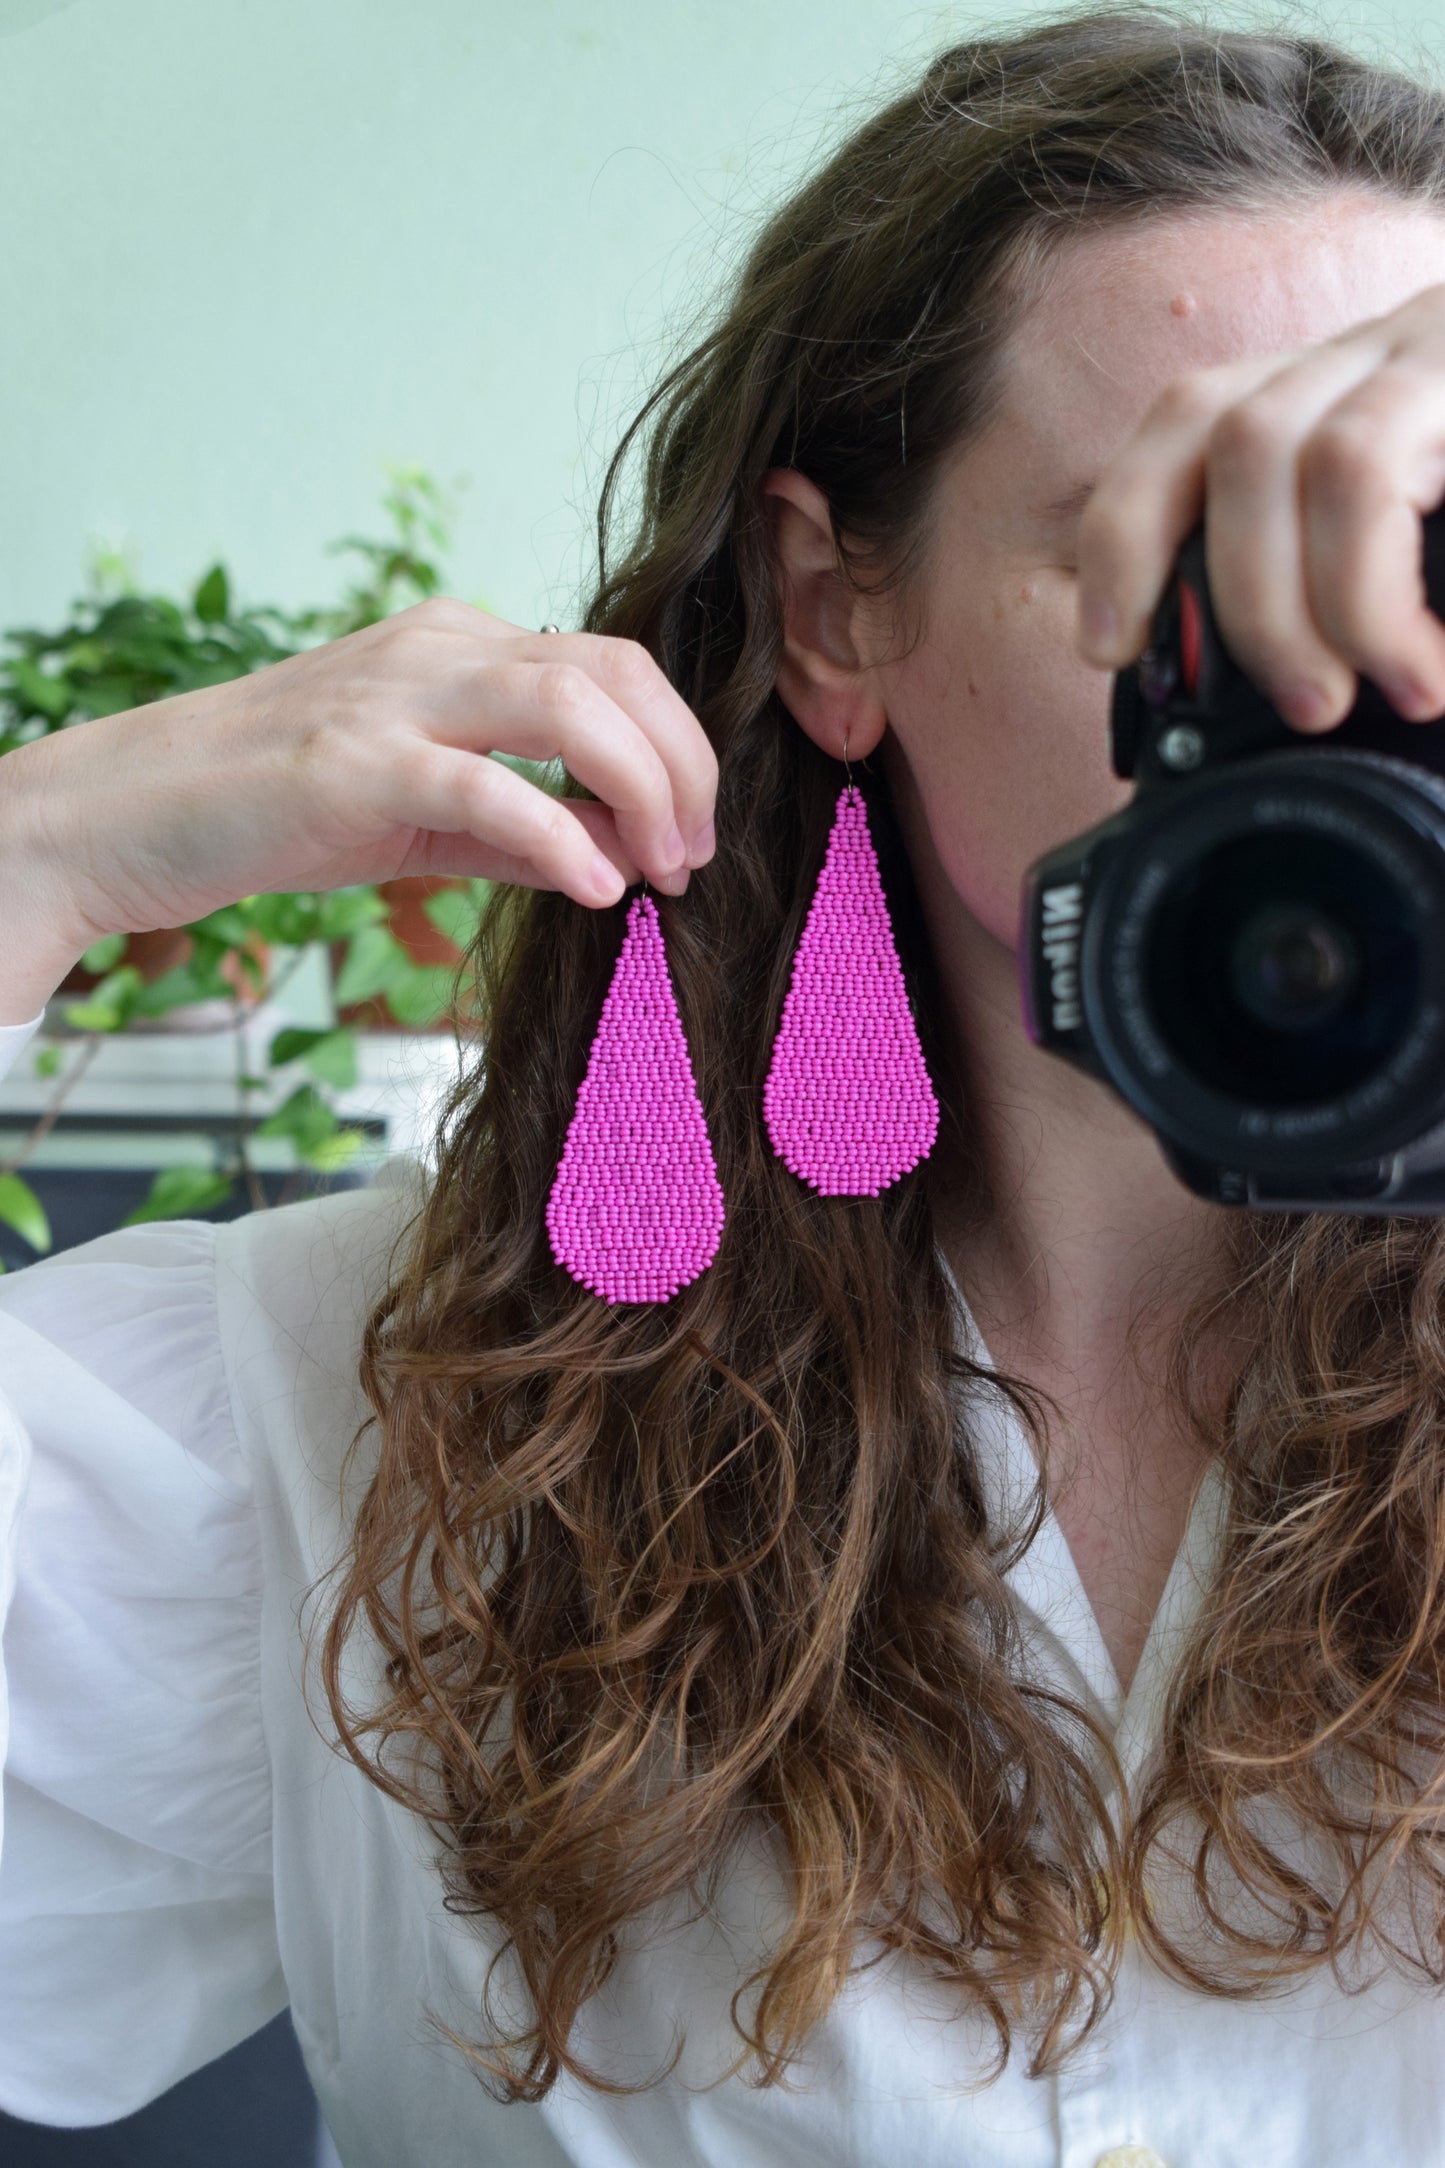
(1263, 960)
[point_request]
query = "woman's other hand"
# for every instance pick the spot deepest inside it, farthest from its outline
(1316, 467)
(361, 761)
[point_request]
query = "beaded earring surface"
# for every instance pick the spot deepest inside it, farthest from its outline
(636, 1207)
(848, 1102)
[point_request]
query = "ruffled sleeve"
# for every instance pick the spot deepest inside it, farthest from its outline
(14, 1038)
(137, 1930)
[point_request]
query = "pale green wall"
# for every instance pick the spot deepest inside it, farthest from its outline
(253, 249)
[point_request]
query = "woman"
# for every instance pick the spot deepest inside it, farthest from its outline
(818, 1716)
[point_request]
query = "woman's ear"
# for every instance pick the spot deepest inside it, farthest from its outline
(823, 680)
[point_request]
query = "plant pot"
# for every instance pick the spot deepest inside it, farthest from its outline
(424, 943)
(153, 954)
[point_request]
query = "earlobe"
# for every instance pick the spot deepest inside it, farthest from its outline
(822, 680)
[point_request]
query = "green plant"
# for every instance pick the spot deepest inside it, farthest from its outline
(122, 648)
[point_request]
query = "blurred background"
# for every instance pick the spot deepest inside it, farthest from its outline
(254, 252)
(282, 272)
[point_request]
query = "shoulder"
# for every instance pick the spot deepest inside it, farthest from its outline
(294, 1287)
(111, 1347)
(289, 1279)
(197, 1386)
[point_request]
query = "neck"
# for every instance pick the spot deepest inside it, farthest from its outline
(1084, 1227)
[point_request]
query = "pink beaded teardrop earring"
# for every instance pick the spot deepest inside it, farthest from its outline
(848, 1101)
(636, 1208)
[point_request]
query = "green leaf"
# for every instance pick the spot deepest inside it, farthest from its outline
(375, 960)
(305, 1118)
(93, 1016)
(110, 696)
(119, 996)
(333, 1059)
(422, 994)
(181, 1193)
(231, 924)
(103, 953)
(183, 983)
(330, 1055)
(333, 1153)
(212, 599)
(123, 618)
(341, 911)
(209, 952)
(21, 1209)
(84, 654)
(191, 673)
(288, 920)
(291, 1044)
(47, 1061)
(52, 696)
(110, 569)
(454, 913)
(141, 621)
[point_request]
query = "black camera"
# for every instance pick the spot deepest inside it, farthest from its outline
(1252, 953)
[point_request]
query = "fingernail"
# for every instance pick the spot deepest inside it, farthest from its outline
(704, 843)
(674, 850)
(1410, 697)
(1100, 621)
(673, 884)
(1304, 705)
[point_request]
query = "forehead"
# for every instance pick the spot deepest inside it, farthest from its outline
(1117, 314)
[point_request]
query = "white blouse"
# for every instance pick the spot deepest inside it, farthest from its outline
(184, 1856)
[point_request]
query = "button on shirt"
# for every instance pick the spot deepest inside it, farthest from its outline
(183, 1856)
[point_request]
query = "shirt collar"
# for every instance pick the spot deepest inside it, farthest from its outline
(1045, 1580)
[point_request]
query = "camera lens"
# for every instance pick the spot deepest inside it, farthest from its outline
(1283, 968)
(1292, 967)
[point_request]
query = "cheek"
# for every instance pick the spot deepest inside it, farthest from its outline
(1007, 740)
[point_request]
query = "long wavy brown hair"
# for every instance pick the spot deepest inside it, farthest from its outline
(640, 1576)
